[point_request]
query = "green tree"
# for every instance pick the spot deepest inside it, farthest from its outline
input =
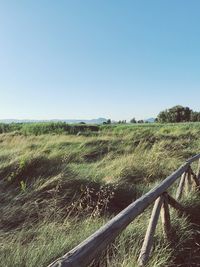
(195, 116)
(133, 120)
(175, 114)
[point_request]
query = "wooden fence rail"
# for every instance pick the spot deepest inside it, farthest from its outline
(83, 254)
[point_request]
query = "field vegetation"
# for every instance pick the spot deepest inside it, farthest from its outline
(59, 183)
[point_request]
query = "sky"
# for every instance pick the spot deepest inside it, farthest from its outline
(83, 59)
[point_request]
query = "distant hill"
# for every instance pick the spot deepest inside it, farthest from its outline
(92, 121)
(150, 120)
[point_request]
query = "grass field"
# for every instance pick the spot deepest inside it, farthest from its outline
(58, 184)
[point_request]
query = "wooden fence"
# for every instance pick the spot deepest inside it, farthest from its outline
(83, 254)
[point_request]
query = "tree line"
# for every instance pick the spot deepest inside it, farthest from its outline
(178, 114)
(133, 120)
(172, 115)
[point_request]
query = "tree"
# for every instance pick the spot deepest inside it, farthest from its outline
(195, 116)
(133, 120)
(122, 122)
(175, 114)
(162, 117)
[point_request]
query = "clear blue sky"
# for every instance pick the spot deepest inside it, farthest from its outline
(98, 58)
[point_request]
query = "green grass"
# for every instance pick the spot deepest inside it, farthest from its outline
(57, 187)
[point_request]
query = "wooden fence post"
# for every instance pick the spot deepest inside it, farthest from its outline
(177, 206)
(188, 181)
(197, 182)
(148, 240)
(165, 217)
(181, 185)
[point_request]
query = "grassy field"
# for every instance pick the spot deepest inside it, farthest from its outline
(59, 183)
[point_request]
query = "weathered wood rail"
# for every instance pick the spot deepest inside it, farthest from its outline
(83, 254)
